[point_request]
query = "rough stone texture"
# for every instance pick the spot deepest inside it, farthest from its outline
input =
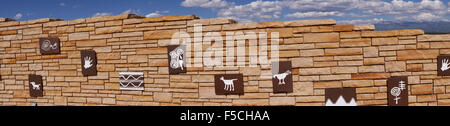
(323, 55)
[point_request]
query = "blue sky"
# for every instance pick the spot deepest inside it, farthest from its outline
(344, 11)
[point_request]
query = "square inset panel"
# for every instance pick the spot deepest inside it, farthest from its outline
(177, 59)
(35, 85)
(282, 77)
(443, 64)
(228, 84)
(49, 46)
(89, 62)
(340, 97)
(131, 80)
(397, 91)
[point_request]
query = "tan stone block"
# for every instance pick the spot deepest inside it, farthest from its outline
(32, 31)
(358, 83)
(289, 53)
(9, 23)
(417, 54)
(395, 66)
(328, 84)
(89, 43)
(355, 34)
(314, 71)
(128, 34)
(321, 37)
(373, 61)
(5, 44)
(282, 101)
(84, 29)
(158, 62)
(208, 92)
(145, 98)
(313, 52)
(250, 102)
(76, 99)
(363, 27)
(321, 29)
(426, 98)
(170, 18)
(282, 32)
(373, 68)
(138, 59)
(302, 62)
(65, 29)
(71, 89)
(107, 30)
(63, 73)
(441, 82)
(343, 27)
(161, 34)
(113, 23)
(370, 76)
(379, 33)
(385, 41)
(303, 88)
(433, 38)
(57, 100)
(162, 97)
(421, 89)
(439, 44)
(327, 45)
(310, 22)
(9, 32)
(410, 32)
(104, 56)
(341, 70)
(250, 70)
(343, 51)
(239, 26)
(355, 42)
(78, 36)
(203, 78)
(270, 24)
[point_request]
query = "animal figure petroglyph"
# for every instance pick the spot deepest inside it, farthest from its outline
(35, 86)
(281, 77)
(229, 84)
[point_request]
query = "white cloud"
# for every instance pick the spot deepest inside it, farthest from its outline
(156, 14)
(268, 10)
(426, 17)
(62, 4)
(261, 10)
(101, 14)
(321, 5)
(132, 11)
(314, 14)
(206, 3)
(18, 16)
(359, 21)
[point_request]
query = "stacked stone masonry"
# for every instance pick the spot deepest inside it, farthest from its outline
(323, 54)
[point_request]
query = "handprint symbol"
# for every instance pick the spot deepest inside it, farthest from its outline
(87, 62)
(445, 65)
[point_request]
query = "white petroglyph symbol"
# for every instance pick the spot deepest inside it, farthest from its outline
(130, 78)
(397, 90)
(46, 45)
(177, 58)
(87, 62)
(445, 65)
(281, 77)
(35, 86)
(229, 84)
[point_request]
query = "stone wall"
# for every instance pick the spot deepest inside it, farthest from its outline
(323, 54)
